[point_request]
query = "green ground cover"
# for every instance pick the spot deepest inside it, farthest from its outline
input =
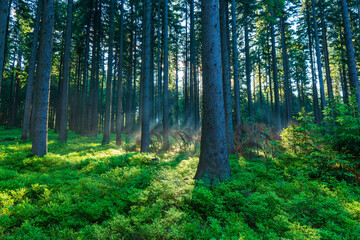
(83, 190)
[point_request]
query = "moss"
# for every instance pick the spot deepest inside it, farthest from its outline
(83, 190)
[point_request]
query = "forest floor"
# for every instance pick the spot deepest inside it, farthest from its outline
(85, 190)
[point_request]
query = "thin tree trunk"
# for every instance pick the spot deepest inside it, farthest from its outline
(318, 58)
(313, 78)
(31, 73)
(145, 127)
(236, 65)
(275, 77)
(120, 78)
(66, 72)
(225, 60)
(353, 75)
(286, 70)
(39, 142)
(106, 137)
(248, 62)
(166, 120)
(326, 58)
(4, 12)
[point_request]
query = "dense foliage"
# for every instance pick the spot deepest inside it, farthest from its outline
(85, 190)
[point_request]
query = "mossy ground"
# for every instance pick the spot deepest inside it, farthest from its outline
(84, 190)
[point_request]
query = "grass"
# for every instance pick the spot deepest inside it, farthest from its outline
(84, 190)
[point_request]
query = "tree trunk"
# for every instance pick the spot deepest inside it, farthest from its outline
(326, 58)
(145, 127)
(4, 8)
(39, 142)
(236, 65)
(214, 164)
(318, 60)
(353, 75)
(275, 77)
(225, 62)
(106, 137)
(120, 78)
(166, 123)
(313, 79)
(248, 62)
(66, 72)
(31, 73)
(286, 69)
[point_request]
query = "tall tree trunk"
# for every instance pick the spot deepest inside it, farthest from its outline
(326, 58)
(106, 137)
(236, 65)
(166, 121)
(39, 142)
(4, 10)
(214, 163)
(186, 95)
(85, 82)
(353, 75)
(66, 72)
(225, 62)
(14, 100)
(133, 96)
(318, 59)
(159, 62)
(176, 125)
(145, 126)
(120, 78)
(275, 77)
(31, 73)
(260, 91)
(286, 69)
(313, 78)
(248, 62)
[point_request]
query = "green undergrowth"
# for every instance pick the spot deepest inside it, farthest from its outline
(84, 190)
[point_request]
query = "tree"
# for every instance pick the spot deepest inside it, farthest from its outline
(236, 64)
(214, 164)
(353, 74)
(39, 142)
(4, 8)
(318, 59)
(225, 61)
(145, 126)
(119, 118)
(166, 120)
(106, 137)
(275, 75)
(31, 71)
(66, 75)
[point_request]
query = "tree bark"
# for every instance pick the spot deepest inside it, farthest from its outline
(236, 65)
(166, 123)
(313, 78)
(318, 59)
(248, 62)
(353, 74)
(39, 142)
(214, 164)
(66, 72)
(31, 73)
(106, 137)
(225, 61)
(286, 69)
(145, 126)
(4, 12)
(275, 76)
(119, 117)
